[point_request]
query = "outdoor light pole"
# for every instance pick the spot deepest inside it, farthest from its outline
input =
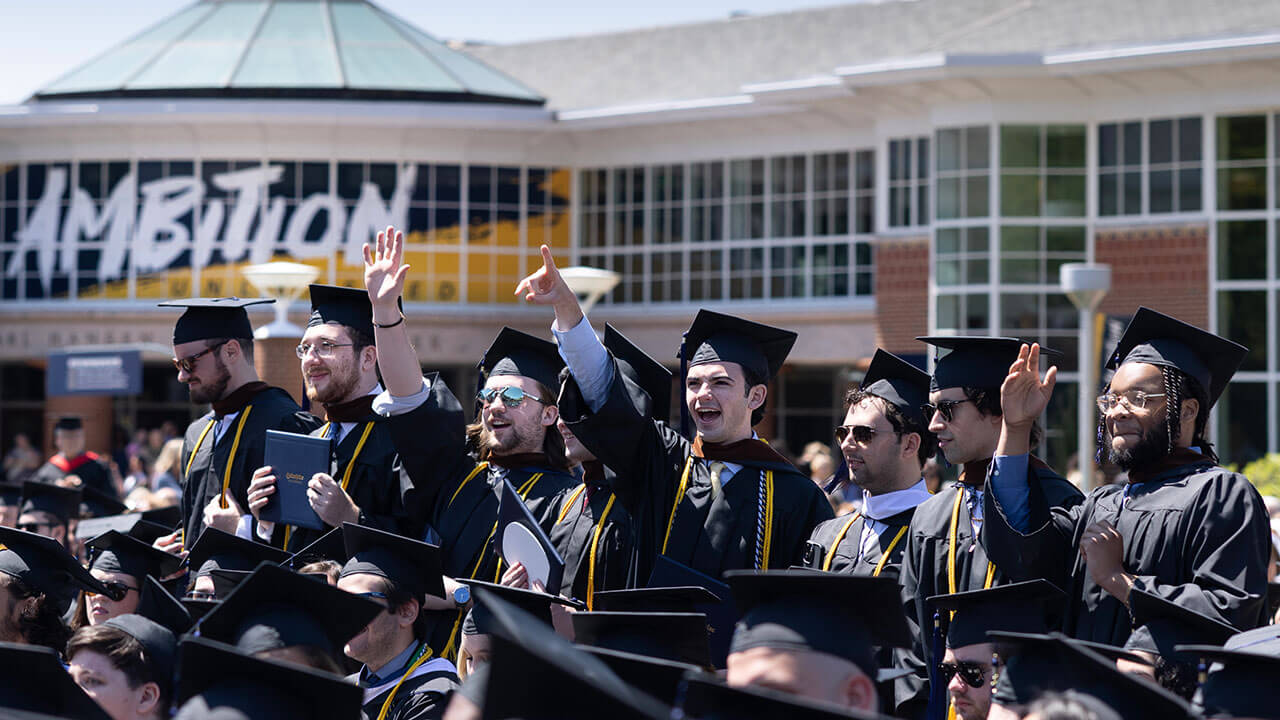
(1086, 284)
(274, 354)
(590, 284)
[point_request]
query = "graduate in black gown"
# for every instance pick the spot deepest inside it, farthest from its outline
(50, 510)
(457, 470)
(213, 353)
(73, 459)
(724, 500)
(594, 532)
(340, 374)
(947, 550)
(1182, 528)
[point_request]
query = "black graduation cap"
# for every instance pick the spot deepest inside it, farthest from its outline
(1034, 664)
(688, 599)
(658, 678)
(341, 305)
(69, 422)
(979, 362)
(1025, 607)
(10, 492)
(62, 503)
(479, 620)
(715, 337)
(159, 642)
(197, 609)
(707, 698)
(96, 504)
(722, 615)
(517, 353)
(275, 607)
(218, 550)
(213, 318)
(646, 373)
(1242, 681)
(414, 566)
(36, 682)
(43, 564)
(535, 674)
(226, 581)
(840, 615)
(329, 546)
(520, 538)
(131, 524)
(218, 681)
(1155, 338)
(157, 604)
(669, 636)
(1162, 625)
(169, 516)
(898, 383)
(116, 552)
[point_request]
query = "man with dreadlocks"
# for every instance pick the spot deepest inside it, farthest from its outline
(1182, 529)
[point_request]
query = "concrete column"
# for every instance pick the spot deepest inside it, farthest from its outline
(277, 363)
(96, 411)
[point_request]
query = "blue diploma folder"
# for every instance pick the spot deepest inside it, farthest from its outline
(294, 459)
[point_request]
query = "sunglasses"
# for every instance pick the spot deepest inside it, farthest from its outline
(862, 434)
(115, 590)
(971, 673)
(947, 408)
(34, 527)
(188, 363)
(512, 396)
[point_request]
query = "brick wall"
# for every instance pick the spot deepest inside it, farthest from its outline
(1165, 268)
(902, 293)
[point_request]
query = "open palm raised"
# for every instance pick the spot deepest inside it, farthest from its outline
(384, 269)
(1023, 397)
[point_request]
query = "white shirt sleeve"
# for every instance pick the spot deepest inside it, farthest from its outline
(388, 405)
(587, 360)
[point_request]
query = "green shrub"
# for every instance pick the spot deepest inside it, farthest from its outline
(1264, 473)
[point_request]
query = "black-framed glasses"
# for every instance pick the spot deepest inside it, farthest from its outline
(188, 363)
(971, 673)
(947, 408)
(1130, 399)
(323, 349)
(862, 434)
(34, 527)
(512, 396)
(116, 590)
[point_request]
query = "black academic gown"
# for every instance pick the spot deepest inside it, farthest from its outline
(925, 569)
(457, 498)
(1195, 534)
(92, 472)
(269, 409)
(423, 695)
(375, 486)
(710, 535)
(583, 533)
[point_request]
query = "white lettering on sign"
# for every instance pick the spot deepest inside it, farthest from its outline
(96, 373)
(151, 223)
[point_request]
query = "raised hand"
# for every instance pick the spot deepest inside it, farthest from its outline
(1023, 397)
(1103, 549)
(384, 274)
(546, 286)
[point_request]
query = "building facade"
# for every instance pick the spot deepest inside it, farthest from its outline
(863, 174)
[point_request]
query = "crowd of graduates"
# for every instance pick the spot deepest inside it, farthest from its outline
(573, 554)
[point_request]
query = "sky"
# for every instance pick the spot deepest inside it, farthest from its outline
(42, 39)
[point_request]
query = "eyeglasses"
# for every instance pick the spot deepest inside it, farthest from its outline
(512, 396)
(34, 527)
(971, 673)
(188, 363)
(324, 349)
(947, 408)
(1131, 400)
(199, 595)
(862, 434)
(115, 590)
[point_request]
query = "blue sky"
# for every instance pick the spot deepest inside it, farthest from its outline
(42, 39)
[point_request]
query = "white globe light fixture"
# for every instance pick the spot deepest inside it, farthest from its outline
(1086, 284)
(590, 284)
(284, 281)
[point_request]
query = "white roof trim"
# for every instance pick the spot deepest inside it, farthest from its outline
(661, 106)
(1172, 48)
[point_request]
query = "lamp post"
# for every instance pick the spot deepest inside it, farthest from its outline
(590, 284)
(283, 281)
(1085, 284)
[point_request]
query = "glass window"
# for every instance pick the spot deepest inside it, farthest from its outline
(1242, 249)
(1120, 169)
(1042, 171)
(1242, 429)
(1242, 172)
(968, 314)
(908, 182)
(1242, 317)
(963, 182)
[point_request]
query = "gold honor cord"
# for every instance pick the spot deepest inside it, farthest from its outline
(423, 655)
(951, 551)
(235, 445)
(826, 565)
(199, 441)
(767, 519)
(595, 542)
(346, 475)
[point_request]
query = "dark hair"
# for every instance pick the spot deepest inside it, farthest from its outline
(987, 400)
(552, 440)
(359, 340)
(329, 568)
(126, 655)
(246, 345)
(397, 596)
(901, 423)
(752, 380)
(1068, 706)
(40, 623)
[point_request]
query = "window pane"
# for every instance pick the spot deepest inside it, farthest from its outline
(1189, 190)
(1064, 195)
(1108, 145)
(1019, 239)
(922, 158)
(1161, 191)
(948, 198)
(948, 150)
(1242, 317)
(1019, 195)
(1242, 433)
(1160, 142)
(1108, 185)
(1064, 240)
(1064, 146)
(1133, 143)
(1189, 137)
(1242, 249)
(977, 148)
(1019, 312)
(948, 271)
(977, 196)
(977, 312)
(976, 271)
(1020, 271)
(1242, 138)
(947, 241)
(1132, 193)
(1242, 188)
(976, 240)
(1019, 146)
